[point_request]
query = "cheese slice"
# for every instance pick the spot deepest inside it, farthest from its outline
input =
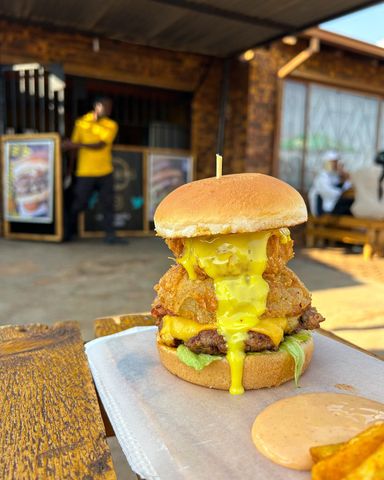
(176, 327)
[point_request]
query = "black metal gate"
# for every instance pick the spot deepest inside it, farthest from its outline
(31, 98)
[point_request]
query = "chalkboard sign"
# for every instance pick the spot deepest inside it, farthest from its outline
(128, 174)
(32, 186)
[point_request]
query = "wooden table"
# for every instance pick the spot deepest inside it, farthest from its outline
(51, 427)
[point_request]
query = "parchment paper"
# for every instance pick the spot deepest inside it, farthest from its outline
(171, 430)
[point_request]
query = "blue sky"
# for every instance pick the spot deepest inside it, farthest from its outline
(366, 25)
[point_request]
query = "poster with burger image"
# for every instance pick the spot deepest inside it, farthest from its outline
(28, 181)
(166, 172)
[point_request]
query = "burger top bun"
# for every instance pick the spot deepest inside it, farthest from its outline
(239, 203)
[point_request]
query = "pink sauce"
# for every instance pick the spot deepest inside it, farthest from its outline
(285, 430)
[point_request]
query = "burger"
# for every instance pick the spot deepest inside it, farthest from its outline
(31, 185)
(231, 315)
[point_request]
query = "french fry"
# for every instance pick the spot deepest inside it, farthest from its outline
(350, 456)
(371, 469)
(324, 451)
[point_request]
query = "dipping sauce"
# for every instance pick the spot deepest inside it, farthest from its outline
(285, 430)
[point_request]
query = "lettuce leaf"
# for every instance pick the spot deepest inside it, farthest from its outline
(198, 361)
(292, 345)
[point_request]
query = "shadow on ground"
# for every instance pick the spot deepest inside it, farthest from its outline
(318, 275)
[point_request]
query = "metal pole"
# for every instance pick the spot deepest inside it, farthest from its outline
(3, 105)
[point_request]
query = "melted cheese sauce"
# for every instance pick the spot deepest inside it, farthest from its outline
(236, 263)
(285, 430)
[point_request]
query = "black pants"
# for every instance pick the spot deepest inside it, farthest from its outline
(83, 190)
(342, 207)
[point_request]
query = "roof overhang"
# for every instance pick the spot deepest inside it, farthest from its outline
(345, 43)
(219, 28)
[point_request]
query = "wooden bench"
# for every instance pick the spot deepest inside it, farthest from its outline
(117, 323)
(347, 229)
(51, 426)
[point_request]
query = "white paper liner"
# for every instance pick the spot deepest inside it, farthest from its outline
(172, 430)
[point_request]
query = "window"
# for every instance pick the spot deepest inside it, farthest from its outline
(317, 118)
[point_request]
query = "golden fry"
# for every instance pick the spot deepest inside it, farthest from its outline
(350, 456)
(324, 451)
(371, 469)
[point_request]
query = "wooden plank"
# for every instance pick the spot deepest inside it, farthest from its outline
(51, 427)
(118, 323)
(331, 335)
(346, 221)
(346, 236)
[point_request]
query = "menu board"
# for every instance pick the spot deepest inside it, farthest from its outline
(28, 180)
(128, 195)
(32, 198)
(166, 172)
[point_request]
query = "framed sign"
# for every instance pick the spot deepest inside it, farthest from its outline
(32, 187)
(28, 181)
(129, 196)
(165, 173)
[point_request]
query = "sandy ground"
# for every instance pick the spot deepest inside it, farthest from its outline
(84, 280)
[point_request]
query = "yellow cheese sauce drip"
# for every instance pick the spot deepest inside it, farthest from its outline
(236, 263)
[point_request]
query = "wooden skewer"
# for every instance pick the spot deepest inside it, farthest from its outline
(219, 165)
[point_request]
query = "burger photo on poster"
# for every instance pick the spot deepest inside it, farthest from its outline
(31, 187)
(231, 315)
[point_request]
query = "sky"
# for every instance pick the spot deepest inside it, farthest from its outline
(366, 25)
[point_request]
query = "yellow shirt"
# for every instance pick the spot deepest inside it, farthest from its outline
(90, 162)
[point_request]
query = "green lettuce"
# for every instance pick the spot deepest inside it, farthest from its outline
(291, 345)
(198, 361)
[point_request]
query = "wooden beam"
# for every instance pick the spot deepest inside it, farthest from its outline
(116, 61)
(317, 77)
(343, 42)
(300, 58)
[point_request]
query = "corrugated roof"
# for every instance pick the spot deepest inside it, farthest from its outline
(212, 27)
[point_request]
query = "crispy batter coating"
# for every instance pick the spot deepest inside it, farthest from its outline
(278, 253)
(287, 296)
(196, 300)
(193, 299)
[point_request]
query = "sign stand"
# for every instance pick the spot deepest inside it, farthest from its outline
(32, 187)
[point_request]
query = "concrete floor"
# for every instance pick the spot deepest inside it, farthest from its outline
(41, 282)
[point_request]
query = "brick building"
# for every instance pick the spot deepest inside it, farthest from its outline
(274, 125)
(255, 108)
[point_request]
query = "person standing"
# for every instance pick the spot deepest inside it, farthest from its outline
(92, 137)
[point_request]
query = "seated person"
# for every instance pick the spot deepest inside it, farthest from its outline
(326, 194)
(369, 185)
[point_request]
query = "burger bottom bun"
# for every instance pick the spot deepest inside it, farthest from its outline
(260, 371)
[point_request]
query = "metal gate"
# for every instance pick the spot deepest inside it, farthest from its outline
(31, 98)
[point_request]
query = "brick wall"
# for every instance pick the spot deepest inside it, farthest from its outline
(251, 112)
(119, 61)
(330, 66)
